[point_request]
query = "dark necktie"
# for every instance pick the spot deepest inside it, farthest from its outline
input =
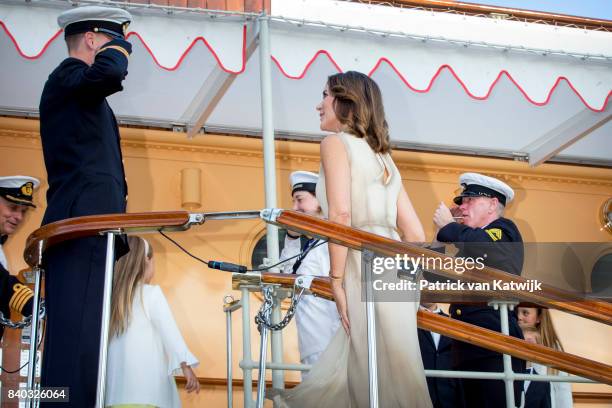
(306, 244)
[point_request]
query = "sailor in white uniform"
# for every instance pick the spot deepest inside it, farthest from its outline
(317, 319)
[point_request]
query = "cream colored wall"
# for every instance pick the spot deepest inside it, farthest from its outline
(554, 203)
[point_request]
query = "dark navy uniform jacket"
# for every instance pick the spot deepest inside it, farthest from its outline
(444, 392)
(538, 395)
(14, 295)
(502, 244)
(80, 137)
(475, 242)
(82, 154)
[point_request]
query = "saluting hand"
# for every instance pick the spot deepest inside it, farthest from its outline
(442, 216)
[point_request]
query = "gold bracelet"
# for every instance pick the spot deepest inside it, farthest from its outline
(337, 278)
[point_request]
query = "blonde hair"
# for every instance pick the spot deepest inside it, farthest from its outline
(128, 278)
(548, 333)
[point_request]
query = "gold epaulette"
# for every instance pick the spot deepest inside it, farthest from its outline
(21, 295)
(115, 47)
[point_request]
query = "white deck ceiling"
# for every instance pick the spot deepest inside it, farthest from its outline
(440, 93)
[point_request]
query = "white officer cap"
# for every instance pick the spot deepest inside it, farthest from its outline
(18, 189)
(479, 185)
(107, 20)
(303, 181)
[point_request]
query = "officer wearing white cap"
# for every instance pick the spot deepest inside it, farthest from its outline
(481, 205)
(317, 319)
(107, 20)
(16, 193)
(80, 141)
(484, 233)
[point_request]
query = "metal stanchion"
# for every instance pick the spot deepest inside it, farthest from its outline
(32, 360)
(276, 345)
(247, 372)
(230, 305)
(502, 306)
(228, 321)
(367, 257)
(106, 311)
(263, 350)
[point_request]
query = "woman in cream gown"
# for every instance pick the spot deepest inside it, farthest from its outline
(360, 186)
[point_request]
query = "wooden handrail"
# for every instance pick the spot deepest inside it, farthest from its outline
(549, 296)
(478, 336)
(578, 396)
(530, 15)
(592, 397)
(61, 231)
(79, 227)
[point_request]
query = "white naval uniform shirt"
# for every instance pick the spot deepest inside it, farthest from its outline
(435, 336)
(317, 319)
(3, 260)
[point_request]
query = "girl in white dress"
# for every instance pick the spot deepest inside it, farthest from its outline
(146, 348)
(360, 186)
(560, 392)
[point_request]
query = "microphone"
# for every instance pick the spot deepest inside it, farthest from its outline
(227, 266)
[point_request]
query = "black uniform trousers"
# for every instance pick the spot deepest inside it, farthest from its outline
(74, 287)
(444, 392)
(538, 394)
(74, 282)
(480, 393)
(489, 393)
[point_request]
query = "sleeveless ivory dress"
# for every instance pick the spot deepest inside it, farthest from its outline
(340, 377)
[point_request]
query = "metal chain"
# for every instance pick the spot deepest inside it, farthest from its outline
(25, 321)
(263, 316)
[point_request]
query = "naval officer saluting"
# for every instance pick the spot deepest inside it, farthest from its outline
(483, 233)
(80, 141)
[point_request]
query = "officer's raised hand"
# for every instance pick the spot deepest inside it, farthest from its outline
(442, 216)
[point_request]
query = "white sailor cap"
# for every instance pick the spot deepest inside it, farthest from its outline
(479, 185)
(303, 181)
(18, 189)
(107, 20)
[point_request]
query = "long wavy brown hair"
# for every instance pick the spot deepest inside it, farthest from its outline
(358, 105)
(548, 334)
(128, 278)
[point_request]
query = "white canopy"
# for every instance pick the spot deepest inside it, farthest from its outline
(450, 82)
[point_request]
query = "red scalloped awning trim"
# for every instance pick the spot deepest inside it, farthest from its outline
(193, 43)
(336, 66)
(18, 48)
(457, 78)
(133, 33)
(493, 84)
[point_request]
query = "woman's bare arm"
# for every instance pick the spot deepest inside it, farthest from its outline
(338, 186)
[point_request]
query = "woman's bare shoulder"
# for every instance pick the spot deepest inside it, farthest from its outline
(332, 142)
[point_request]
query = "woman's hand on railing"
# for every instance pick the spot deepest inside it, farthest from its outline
(192, 384)
(340, 297)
